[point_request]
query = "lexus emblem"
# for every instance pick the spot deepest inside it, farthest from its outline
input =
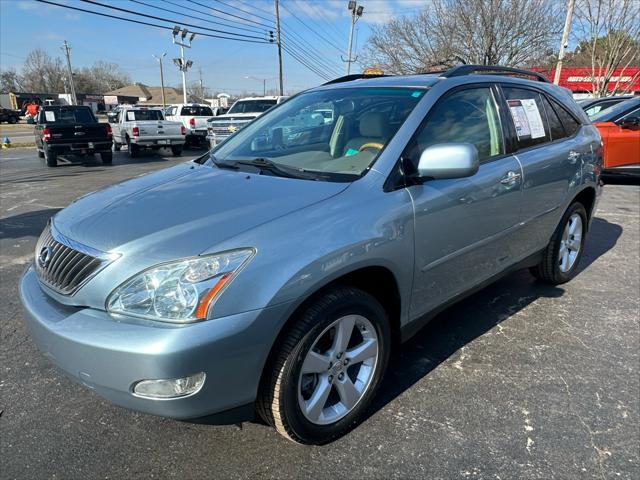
(44, 257)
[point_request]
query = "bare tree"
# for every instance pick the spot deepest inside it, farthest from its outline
(101, 77)
(10, 81)
(449, 32)
(43, 74)
(610, 41)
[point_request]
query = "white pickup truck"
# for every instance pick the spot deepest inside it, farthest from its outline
(141, 127)
(194, 117)
(241, 113)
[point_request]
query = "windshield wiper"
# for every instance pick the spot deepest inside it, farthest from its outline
(264, 164)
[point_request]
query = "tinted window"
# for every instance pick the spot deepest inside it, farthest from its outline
(555, 125)
(197, 111)
(252, 106)
(468, 116)
(144, 115)
(569, 123)
(67, 115)
(527, 113)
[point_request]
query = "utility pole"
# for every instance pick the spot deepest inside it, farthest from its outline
(182, 64)
(159, 59)
(565, 40)
(67, 52)
(356, 13)
(279, 47)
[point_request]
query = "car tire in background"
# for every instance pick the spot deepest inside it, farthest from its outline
(176, 150)
(106, 157)
(562, 256)
(51, 158)
(12, 120)
(134, 150)
(40, 154)
(327, 367)
(117, 146)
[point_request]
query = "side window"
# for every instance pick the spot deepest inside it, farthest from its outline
(555, 125)
(570, 124)
(527, 113)
(468, 116)
(635, 114)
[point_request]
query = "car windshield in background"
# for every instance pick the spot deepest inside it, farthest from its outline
(197, 111)
(68, 115)
(252, 106)
(611, 113)
(142, 115)
(335, 134)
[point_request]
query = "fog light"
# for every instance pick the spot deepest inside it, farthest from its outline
(170, 387)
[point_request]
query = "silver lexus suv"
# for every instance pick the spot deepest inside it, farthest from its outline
(275, 275)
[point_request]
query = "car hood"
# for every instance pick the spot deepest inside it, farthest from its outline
(235, 116)
(184, 210)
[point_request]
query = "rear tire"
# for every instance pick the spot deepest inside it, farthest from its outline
(51, 158)
(117, 146)
(40, 154)
(560, 259)
(106, 157)
(328, 400)
(134, 150)
(176, 150)
(12, 120)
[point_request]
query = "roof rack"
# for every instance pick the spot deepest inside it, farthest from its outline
(461, 70)
(353, 76)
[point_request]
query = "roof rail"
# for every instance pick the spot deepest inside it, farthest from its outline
(353, 76)
(461, 70)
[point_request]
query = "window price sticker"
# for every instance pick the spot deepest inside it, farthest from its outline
(50, 116)
(526, 117)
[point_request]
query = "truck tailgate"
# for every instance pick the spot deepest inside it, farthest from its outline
(79, 133)
(159, 128)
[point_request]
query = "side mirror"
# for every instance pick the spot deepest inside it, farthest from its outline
(449, 160)
(630, 123)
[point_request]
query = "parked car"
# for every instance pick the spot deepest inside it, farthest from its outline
(620, 130)
(241, 113)
(276, 275)
(9, 116)
(145, 128)
(592, 106)
(194, 117)
(71, 130)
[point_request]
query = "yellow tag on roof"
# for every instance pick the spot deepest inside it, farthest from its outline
(373, 71)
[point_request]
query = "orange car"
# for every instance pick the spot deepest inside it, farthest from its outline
(619, 127)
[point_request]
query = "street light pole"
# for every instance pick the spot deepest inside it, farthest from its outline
(565, 40)
(356, 13)
(182, 64)
(159, 59)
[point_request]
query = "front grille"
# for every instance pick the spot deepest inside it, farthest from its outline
(65, 265)
(222, 128)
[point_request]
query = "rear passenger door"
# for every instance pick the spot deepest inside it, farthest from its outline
(463, 226)
(546, 142)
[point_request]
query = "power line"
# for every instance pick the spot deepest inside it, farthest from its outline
(168, 20)
(320, 36)
(230, 14)
(140, 22)
(248, 29)
(303, 62)
(312, 57)
(246, 11)
(212, 15)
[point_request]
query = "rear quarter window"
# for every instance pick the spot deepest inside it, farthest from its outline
(528, 116)
(570, 124)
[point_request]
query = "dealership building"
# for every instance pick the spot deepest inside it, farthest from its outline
(578, 80)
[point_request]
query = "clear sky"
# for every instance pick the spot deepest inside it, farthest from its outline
(315, 30)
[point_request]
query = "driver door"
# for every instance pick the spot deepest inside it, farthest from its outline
(463, 227)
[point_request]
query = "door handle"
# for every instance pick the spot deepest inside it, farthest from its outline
(573, 156)
(511, 178)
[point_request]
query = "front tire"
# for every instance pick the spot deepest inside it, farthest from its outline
(560, 259)
(176, 150)
(106, 157)
(328, 367)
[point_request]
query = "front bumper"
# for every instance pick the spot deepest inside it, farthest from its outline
(109, 354)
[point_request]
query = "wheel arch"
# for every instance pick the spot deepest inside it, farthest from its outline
(377, 280)
(587, 197)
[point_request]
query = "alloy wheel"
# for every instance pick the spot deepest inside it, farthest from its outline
(570, 243)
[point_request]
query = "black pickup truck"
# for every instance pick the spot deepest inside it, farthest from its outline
(9, 116)
(71, 130)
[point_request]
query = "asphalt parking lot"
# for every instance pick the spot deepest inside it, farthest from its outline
(521, 380)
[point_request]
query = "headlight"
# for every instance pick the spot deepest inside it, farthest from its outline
(179, 292)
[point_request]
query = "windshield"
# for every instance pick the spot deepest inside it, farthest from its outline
(611, 113)
(252, 106)
(197, 111)
(335, 133)
(142, 115)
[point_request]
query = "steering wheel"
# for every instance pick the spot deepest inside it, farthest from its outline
(377, 145)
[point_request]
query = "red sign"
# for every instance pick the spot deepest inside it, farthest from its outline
(579, 79)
